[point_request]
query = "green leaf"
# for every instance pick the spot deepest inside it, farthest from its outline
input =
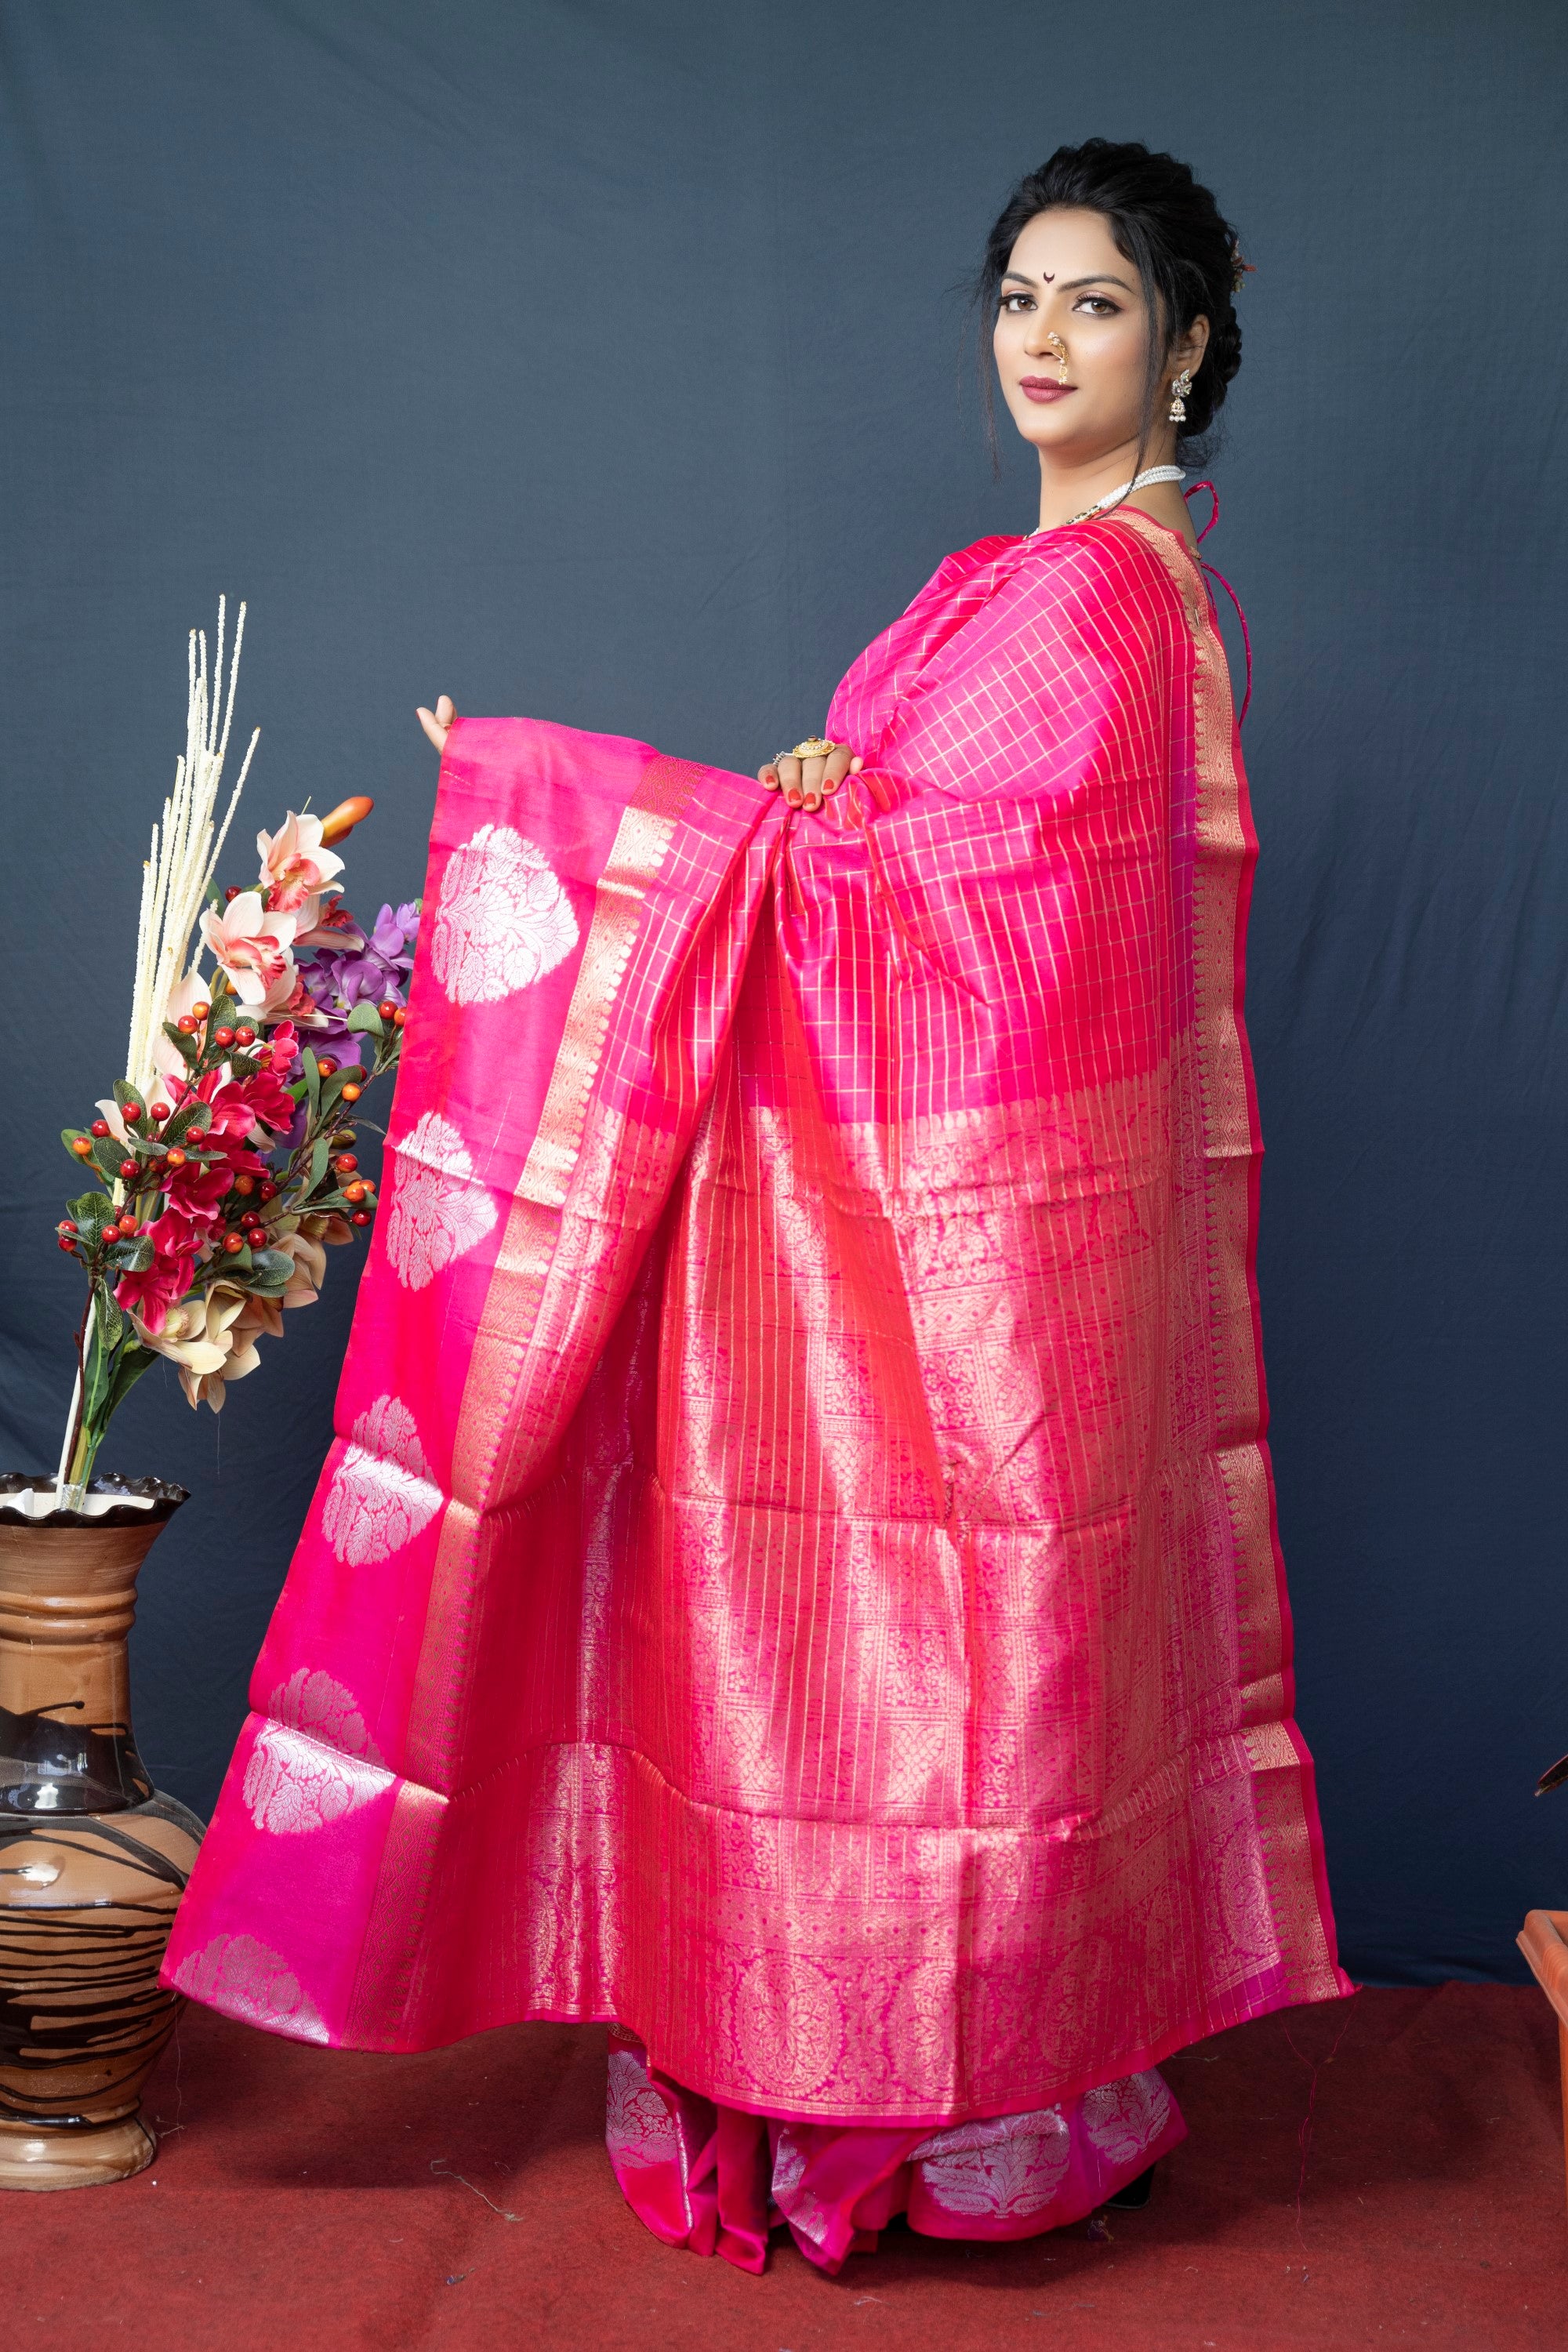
(98, 1365)
(182, 1120)
(184, 1046)
(132, 1361)
(135, 1255)
(312, 1070)
(271, 1270)
(124, 1093)
(96, 1387)
(108, 1155)
(368, 1021)
(244, 1065)
(91, 1211)
(320, 1152)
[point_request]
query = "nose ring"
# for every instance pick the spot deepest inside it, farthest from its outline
(1056, 344)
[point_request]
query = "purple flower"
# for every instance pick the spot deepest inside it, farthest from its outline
(353, 970)
(395, 932)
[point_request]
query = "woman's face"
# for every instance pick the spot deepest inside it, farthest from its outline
(1065, 277)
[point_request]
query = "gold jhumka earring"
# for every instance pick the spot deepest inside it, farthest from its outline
(1180, 387)
(1056, 343)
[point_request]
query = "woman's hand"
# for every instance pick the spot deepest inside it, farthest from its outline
(806, 784)
(438, 723)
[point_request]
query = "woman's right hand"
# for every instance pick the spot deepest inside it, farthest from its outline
(438, 723)
(806, 784)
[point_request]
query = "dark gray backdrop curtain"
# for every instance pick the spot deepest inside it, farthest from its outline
(600, 360)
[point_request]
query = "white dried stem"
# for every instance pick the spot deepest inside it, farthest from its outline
(185, 846)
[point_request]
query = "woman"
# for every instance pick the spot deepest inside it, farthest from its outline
(797, 1577)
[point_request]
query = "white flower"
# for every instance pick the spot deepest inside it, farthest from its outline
(208, 1339)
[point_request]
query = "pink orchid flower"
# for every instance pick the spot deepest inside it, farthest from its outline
(326, 922)
(295, 866)
(252, 944)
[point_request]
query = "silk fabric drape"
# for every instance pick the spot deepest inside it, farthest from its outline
(716, 2180)
(797, 1572)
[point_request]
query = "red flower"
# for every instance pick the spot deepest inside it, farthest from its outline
(264, 1099)
(195, 1193)
(178, 1242)
(237, 1105)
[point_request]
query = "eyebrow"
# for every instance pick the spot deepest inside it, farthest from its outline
(1071, 284)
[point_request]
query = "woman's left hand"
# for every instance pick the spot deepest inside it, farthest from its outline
(806, 784)
(438, 723)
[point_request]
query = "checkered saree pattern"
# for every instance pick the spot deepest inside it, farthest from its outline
(796, 1573)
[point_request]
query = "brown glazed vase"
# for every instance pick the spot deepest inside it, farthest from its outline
(93, 1859)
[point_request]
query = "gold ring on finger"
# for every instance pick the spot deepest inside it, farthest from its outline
(816, 747)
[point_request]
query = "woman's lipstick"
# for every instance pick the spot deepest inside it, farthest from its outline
(1044, 388)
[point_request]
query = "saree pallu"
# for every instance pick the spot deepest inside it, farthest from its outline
(796, 1574)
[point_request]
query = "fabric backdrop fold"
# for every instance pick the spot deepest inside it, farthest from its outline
(796, 1573)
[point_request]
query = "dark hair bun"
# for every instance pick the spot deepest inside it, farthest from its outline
(1166, 222)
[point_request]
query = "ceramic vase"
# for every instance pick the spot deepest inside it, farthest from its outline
(93, 1859)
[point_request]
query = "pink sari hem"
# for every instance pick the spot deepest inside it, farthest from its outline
(717, 2179)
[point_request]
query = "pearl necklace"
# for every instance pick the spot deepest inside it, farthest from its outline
(1151, 473)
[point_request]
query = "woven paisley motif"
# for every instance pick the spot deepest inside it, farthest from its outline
(293, 1785)
(999, 2171)
(311, 1702)
(1124, 2118)
(382, 1493)
(503, 921)
(250, 1980)
(438, 1211)
(639, 2129)
(789, 2022)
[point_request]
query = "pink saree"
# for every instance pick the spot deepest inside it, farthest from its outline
(796, 1575)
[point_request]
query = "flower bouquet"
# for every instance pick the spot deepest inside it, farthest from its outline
(223, 1164)
(220, 1168)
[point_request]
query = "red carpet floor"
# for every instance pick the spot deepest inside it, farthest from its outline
(304, 2202)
